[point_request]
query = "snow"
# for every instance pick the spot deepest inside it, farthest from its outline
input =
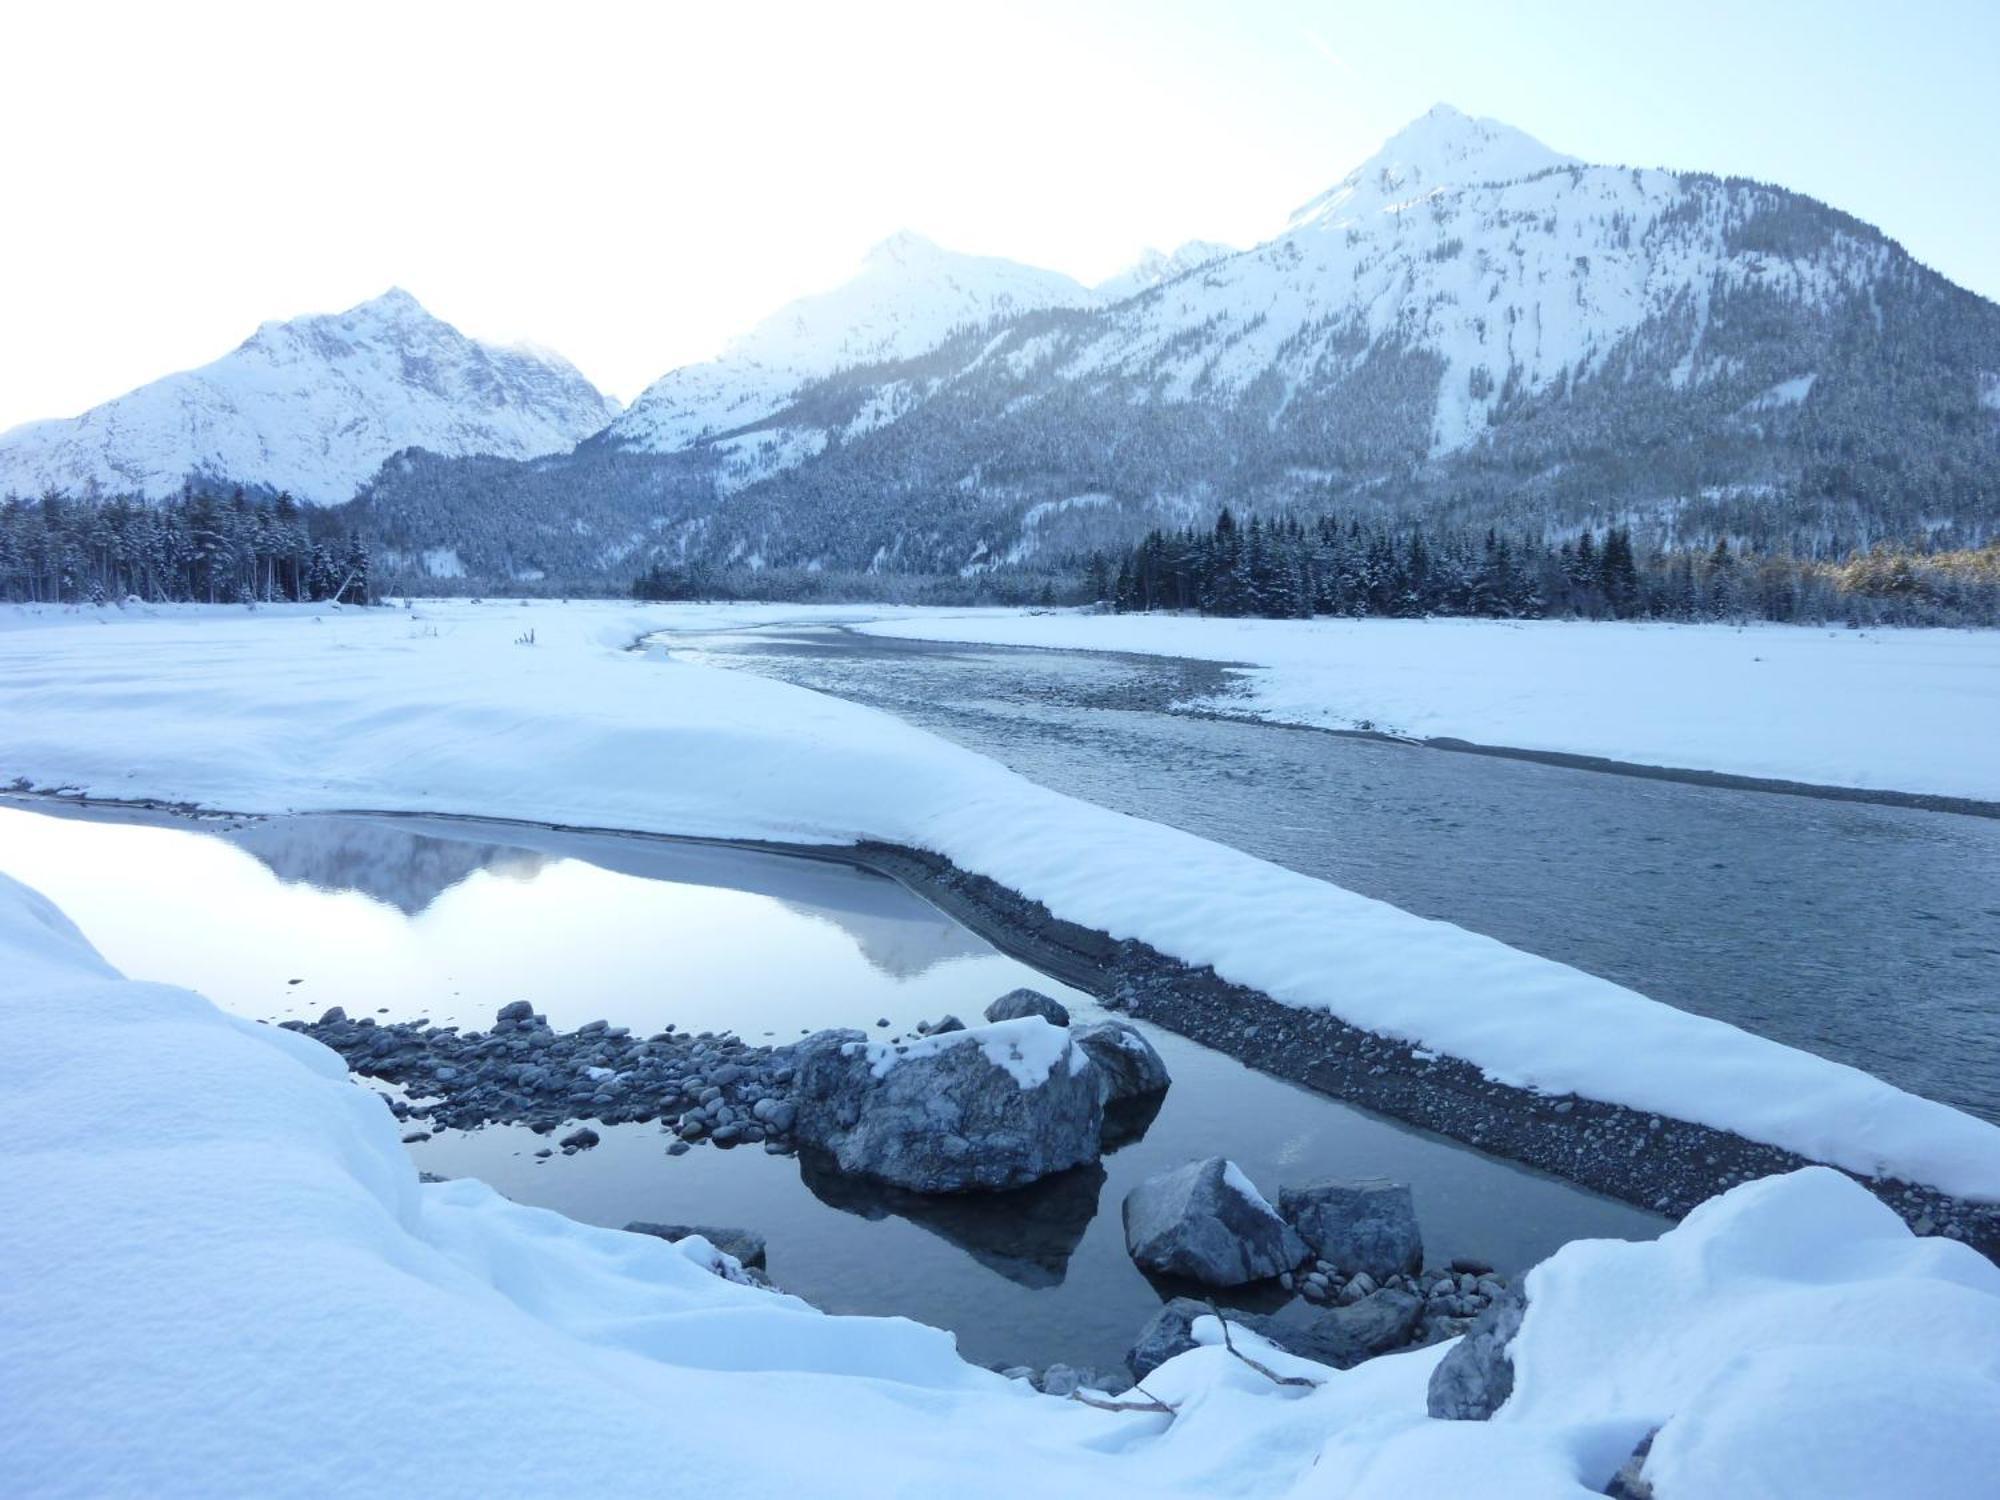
(314, 406)
(906, 298)
(1888, 710)
(215, 1243)
(1153, 269)
(1028, 1048)
(364, 709)
(1234, 1179)
(237, 1268)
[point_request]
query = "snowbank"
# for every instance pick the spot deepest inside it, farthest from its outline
(439, 710)
(1027, 1049)
(224, 1278)
(1887, 710)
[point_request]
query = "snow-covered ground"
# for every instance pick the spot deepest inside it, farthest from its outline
(441, 710)
(222, 1277)
(1888, 710)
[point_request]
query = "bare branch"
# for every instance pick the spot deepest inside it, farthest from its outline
(1262, 1369)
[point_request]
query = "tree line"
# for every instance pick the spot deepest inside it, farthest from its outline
(195, 549)
(1290, 567)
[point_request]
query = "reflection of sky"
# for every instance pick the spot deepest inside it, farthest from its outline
(576, 940)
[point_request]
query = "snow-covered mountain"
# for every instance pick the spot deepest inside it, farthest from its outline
(313, 406)
(1469, 326)
(1152, 267)
(907, 297)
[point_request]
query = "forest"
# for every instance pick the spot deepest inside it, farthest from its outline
(1291, 567)
(196, 549)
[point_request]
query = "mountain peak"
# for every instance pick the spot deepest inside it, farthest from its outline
(902, 248)
(1441, 148)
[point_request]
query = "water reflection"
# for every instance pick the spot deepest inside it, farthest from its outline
(1027, 1235)
(413, 917)
(407, 917)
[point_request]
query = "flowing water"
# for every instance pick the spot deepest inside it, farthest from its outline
(1865, 933)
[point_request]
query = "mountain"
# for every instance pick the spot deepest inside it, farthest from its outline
(313, 406)
(907, 297)
(1468, 328)
(1152, 268)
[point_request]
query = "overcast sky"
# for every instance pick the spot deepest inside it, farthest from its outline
(633, 185)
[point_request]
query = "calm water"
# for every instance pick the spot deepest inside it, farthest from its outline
(1867, 934)
(406, 917)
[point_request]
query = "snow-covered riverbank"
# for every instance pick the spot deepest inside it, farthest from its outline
(448, 709)
(224, 1277)
(1894, 710)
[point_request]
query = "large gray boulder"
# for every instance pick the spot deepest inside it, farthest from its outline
(1357, 1224)
(983, 1109)
(1207, 1222)
(1342, 1336)
(1015, 1004)
(1475, 1379)
(1128, 1067)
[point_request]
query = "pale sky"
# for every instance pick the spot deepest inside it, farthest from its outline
(632, 185)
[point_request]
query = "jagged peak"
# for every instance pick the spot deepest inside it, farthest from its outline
(1442, 148)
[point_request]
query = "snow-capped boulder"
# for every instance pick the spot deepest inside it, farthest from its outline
(1025, 1002)
(986, 1108)
(1359, 1224)
(1475, 1379)
(1206, 1221)
(1128, 1067)
(747, 1245)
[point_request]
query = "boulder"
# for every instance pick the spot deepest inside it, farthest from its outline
(983, 1109)
(1127, 1066)
(1168, 1332)
(1363, 1224)
(745, 1244)
(1475, 1379)
(1207, 1221)
(1015, 1004)
(1341, 1336)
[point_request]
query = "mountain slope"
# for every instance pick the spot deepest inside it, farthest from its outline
(314, 406)
(908, 296)
(1469, 328)
(1152, 268)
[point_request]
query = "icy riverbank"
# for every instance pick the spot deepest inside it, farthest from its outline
(232, 1282)
(1896, 710)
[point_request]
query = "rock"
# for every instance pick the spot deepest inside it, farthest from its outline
(1471, 1265)
(1127, 1065)
(579, 1140)
(1342, 1336)
(745, 1244)
(519, 1010)
(1207, 1221)
(1363, 1224)
(1167, 1333)
(1475, 1379)
(334, 1015)
(983, 1109)
(1630, 1482)
(1015, 1004)
(1062, 1380)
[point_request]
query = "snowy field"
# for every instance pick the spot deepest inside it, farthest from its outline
(1888, 710)
(446, 709)
(223, 1275)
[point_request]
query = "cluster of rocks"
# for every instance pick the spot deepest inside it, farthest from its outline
(521, 1071)
(1351, 1251)
(951, 1110)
